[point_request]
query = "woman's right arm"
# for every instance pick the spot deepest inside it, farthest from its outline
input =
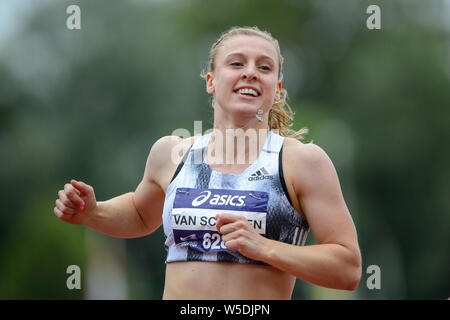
(130, 215)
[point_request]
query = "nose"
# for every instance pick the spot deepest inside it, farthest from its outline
(249, 73)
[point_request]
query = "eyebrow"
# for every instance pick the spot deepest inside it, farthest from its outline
(231, 55)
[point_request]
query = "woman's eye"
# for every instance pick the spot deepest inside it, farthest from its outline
(236, 64)
(266, 68)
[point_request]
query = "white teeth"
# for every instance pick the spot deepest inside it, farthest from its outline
(248, 91)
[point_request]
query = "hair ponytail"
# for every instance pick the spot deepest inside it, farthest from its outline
(281, 118)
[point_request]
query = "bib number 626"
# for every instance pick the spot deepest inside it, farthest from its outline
(213, 241)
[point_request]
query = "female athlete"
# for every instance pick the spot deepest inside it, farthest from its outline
(237, 208)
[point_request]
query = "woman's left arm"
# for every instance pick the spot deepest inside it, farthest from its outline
(335, 262)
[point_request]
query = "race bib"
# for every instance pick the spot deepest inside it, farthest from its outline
(194, 211)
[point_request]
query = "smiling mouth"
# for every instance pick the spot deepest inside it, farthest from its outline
(247, 92)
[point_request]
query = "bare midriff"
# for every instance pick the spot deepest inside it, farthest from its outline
(225, 280)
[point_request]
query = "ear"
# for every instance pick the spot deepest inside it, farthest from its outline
(209, 83)
(278, 91)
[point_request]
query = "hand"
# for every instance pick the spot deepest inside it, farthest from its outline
(238, 234)
(76, 203)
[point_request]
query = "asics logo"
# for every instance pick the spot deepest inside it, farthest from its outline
(201, 199)
(219, 200)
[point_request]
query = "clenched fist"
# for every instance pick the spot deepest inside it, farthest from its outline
(76, 204)
(238, 234)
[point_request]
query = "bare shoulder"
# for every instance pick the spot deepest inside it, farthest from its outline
(310, 154)
(307, 162)
(168, 149)
(164, 156)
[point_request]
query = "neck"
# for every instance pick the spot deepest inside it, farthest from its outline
(237, 143)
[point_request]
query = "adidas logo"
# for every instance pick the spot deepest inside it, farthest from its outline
(261, 174)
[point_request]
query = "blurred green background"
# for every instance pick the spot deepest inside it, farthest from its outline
(88, 104)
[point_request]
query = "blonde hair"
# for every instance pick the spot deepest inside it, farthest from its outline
(281, 116)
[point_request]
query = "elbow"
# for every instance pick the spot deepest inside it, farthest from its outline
(354, 281)
(354, 276)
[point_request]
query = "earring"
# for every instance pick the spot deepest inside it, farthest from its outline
(259, 115)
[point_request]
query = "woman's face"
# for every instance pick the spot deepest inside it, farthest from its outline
(245, 76)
